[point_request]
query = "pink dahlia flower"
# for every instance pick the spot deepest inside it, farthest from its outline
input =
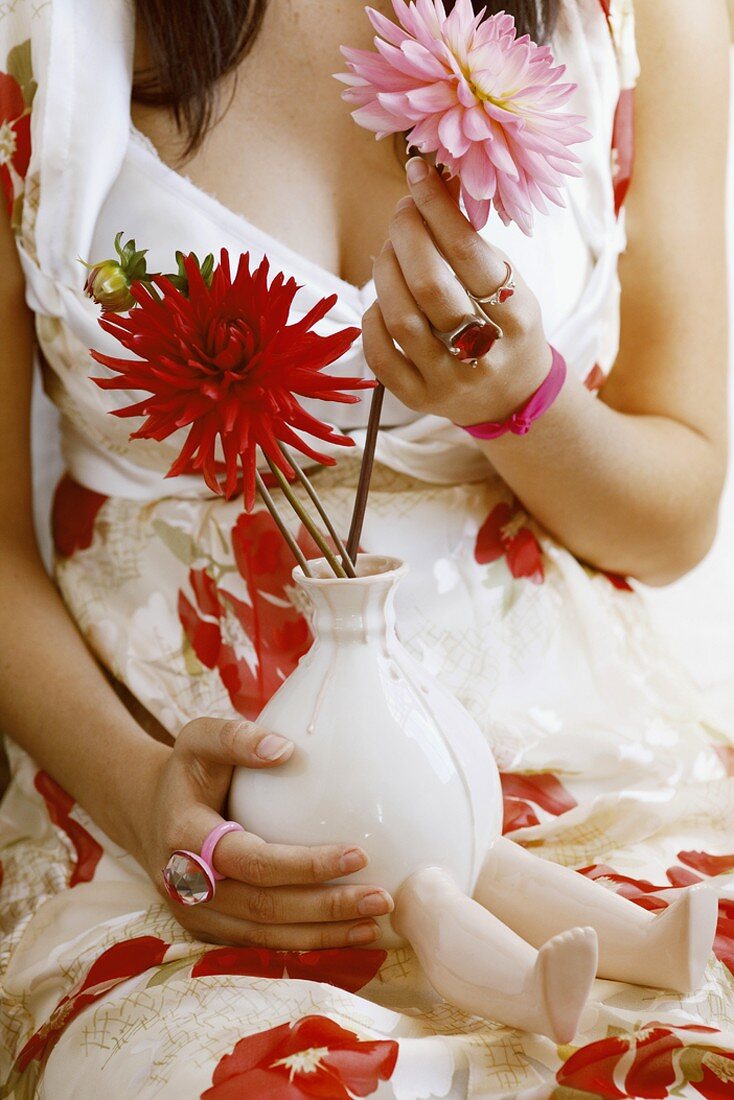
(485, 102)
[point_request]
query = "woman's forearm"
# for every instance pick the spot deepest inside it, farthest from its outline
(631, 494)
(56, 703)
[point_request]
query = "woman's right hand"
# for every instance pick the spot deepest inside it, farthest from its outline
(274, 894)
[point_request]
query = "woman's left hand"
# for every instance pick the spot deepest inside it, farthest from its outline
(417, 291)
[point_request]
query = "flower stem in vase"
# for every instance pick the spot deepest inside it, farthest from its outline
(306, 520)
(365, 473)
(307, 484)
(280, 523)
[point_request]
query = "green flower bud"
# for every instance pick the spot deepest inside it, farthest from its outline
(108, 282)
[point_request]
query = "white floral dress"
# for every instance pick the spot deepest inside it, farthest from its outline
(609, 761)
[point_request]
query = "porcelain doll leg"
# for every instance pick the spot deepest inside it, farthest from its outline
(668, 949)
(477, 963)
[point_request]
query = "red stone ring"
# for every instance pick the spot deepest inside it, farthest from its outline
(472, 338)
(501, 294)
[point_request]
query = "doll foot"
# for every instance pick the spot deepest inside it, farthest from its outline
(565, 972)
(674, 952)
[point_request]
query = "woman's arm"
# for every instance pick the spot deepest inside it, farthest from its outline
(148, 797)
(631, 482)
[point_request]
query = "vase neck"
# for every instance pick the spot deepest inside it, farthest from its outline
(358, 610)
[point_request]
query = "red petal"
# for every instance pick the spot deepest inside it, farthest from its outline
(490, 545)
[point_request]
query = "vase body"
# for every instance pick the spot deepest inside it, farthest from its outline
(385, 757)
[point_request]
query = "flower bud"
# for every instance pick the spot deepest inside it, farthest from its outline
(109, 281)
(108, 285)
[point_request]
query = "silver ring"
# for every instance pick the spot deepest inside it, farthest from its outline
(503, 292)
(468, 341)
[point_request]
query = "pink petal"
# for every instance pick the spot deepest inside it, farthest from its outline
(477, 126)
(374, 117)
(384, 26)
(451, 133)
(477, 211)
(478, 176)
(433, 98)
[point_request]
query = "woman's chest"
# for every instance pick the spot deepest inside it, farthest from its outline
(286, 153)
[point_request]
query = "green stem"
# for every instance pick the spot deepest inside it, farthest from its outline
(306, 520)
(280, 524)
(308, 485)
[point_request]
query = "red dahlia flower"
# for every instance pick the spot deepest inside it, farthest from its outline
(222, 361)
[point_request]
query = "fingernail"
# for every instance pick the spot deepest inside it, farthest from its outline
(352, 861)
(403, 203)
(272, 747)
(416, 169)
(375, 904)
(363, 933)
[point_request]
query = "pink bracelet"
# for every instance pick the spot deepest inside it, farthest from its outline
(520, 422)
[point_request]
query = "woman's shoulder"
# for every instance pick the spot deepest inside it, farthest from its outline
(683, 25)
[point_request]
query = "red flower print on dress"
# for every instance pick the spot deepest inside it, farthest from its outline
(73, 516)
(504, 534)
(343, 967)
(116, 965)
(59, 805)
(618, 581)
(543, 789)
(641, 892)
(595, 379)
(646, 1064)
(648, 896)
(278, 631)
(15, 136)
(313, 1057)
(706, 863)
(726, 755)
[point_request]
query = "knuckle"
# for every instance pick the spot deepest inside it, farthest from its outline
(229, 734)
(406, 327)
(429, 197)
(378, 360)
(468, 248)
(255, 868)
(263, 907)
(336, 905)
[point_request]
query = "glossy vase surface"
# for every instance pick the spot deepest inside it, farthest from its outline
(386, 758)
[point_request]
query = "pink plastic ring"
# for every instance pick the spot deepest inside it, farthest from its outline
(207, 848)
(191, 879)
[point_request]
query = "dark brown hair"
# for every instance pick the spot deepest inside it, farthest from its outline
(192, 43)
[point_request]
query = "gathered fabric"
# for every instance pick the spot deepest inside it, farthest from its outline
(609, 759)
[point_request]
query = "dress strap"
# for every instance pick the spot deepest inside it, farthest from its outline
(81, 53)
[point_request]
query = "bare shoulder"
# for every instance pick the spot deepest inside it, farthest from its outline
(684, 43)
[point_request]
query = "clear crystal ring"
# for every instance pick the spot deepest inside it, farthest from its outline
(190, 878)
(473, 337)
(501, 294)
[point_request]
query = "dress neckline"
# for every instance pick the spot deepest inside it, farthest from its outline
(142, 146)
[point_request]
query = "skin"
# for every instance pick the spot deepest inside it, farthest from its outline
(630, 481)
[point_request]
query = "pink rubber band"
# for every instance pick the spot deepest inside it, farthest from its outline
(207, 848)
(520, 422)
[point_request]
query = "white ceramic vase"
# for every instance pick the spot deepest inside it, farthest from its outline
(386, 757)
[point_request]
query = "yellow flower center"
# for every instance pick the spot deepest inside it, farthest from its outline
(303, 1061)
(8, 143)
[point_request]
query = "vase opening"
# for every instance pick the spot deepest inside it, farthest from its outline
(367, 567)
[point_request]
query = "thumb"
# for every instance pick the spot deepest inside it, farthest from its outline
(233, 743)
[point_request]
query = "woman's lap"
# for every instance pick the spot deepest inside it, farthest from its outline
(608, 766)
